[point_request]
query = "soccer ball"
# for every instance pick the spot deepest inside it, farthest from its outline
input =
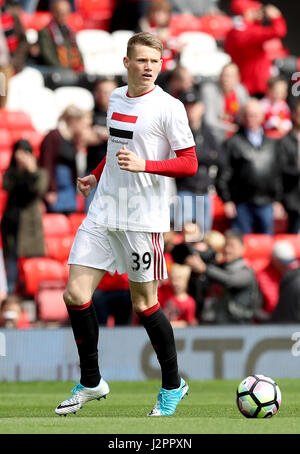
(258, 396)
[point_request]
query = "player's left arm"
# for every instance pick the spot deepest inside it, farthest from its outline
(185, 164)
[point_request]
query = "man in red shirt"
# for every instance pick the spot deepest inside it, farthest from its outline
(245, 42)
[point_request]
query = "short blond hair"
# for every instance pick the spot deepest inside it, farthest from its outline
(183, 270)
(144, 39)
(215, 240)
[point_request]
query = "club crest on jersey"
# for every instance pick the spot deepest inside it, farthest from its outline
(122, 133)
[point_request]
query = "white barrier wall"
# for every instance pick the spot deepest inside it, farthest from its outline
(204, 353)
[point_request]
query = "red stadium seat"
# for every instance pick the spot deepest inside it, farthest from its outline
(5, 139)
(258, 246)
(17, 119)
(75, 220)
(5, 158)
(217, 26)
(38, 269)
(217, 207)
(39, 20)
(50, 303)
(181, 23)
(3, 200)
(75, 22)
(58, 248)
(34, 137)
(293, 239)
(56, 224)
(91, 7)
(3, 121)
(96, 14)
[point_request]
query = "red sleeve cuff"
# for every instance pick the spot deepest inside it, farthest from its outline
(97, 172)
(184, 165)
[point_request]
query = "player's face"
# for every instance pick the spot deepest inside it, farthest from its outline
(143, 66)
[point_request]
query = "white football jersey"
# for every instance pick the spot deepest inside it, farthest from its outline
(153, 126)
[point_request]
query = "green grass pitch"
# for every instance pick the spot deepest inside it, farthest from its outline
(210, 408)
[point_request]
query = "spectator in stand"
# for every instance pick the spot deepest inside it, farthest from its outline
(179, 81)
(157, 21)
(249, 183)
(276, 109)
(21, 225)
(233, 293)
(13, 47)
(245, 42)
(288, 307)
(58, 48)
(58, 156)
(216, 241)
(127, 13)
(12, 315)
(289, 151)
(268, 278)
(194, 243)
(112, 297)
(97, 140)
(194, 191)
(223, 102)
(180, 307)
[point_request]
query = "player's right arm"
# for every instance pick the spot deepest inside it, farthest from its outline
(87, 183)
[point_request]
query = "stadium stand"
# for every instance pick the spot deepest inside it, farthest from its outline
(56, 225)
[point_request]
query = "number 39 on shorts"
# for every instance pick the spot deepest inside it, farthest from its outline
(141, 260)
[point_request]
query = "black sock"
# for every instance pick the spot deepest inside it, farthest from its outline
(161, 335)
(86, 333)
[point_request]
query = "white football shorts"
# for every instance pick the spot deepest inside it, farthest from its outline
(139, 254)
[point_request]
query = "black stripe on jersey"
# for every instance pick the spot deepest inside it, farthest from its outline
(121, 133)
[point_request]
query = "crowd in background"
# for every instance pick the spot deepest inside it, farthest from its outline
(246, 128)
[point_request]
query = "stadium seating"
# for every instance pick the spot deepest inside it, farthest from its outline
(258, 246)
(197, 42)
(181, 23)
(50, 303)
(39, 20)
(42, 108)
(5, 158)
(3, 200)
(18, 120)
(34, 137)
(56, 225)
(38, 269)
(75, 219)
(217, 26)
(201, 55)
(97, 47)
(58, 248)
(79, 96)
(119, 39)
(96, 14)
(5, 139)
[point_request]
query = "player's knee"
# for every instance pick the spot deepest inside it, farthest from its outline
(140, 303)
(73, 298)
